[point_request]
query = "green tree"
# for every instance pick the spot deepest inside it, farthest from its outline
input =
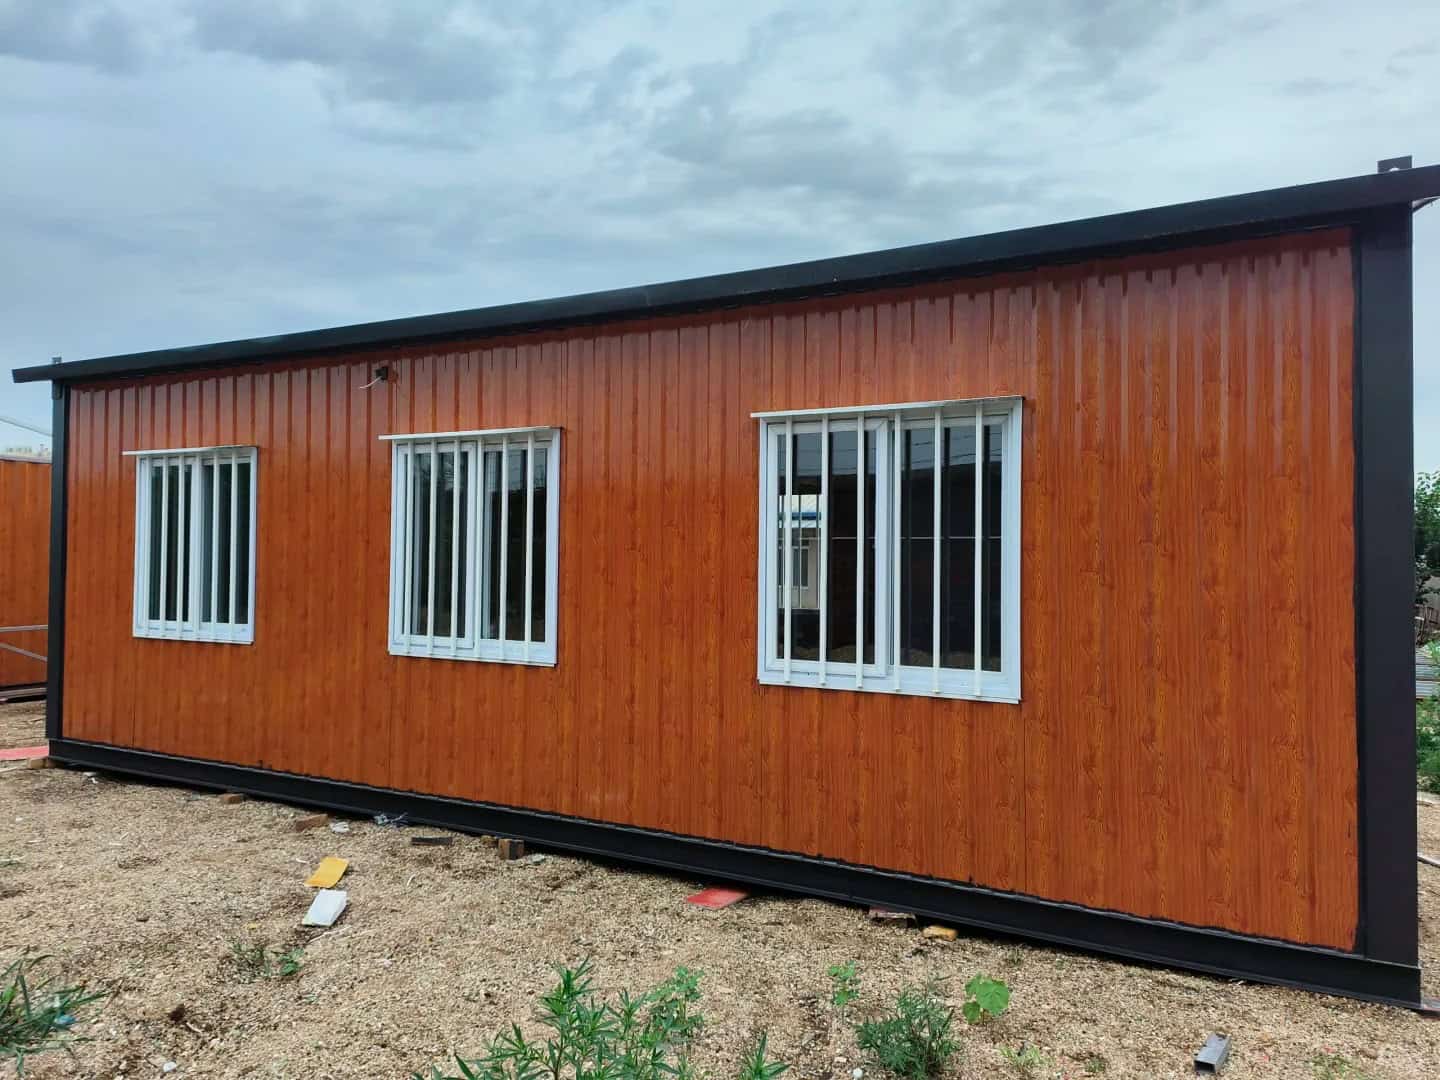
(1427, 531)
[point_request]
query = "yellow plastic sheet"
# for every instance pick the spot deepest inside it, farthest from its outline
(328, 873)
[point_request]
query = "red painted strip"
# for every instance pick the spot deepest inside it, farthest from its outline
(715, 899)
(19, 753)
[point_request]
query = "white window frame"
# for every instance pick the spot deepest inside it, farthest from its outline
(884, 674)
(471, 447)
(194, 628)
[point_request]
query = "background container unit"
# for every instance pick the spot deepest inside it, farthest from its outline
(24, 566)
(1211, 760)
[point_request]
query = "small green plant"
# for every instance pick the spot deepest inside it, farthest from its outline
(253, 960)
(914, 1040)
(1095, 1065)
(36, 1016)
(845, 983)
(1331, 1066)
(985, 998)
(629, 1037)
(756, 1065)
(1027, 1061)
(289, 962)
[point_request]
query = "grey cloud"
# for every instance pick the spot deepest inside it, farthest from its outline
(1313, 86)
(1054, 52)
(423, 54)
(89, 32)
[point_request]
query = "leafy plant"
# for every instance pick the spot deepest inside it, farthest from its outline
(1427, 521)
(632, 1037)
(1095, 1065)
(37, 1016)
(1427, 732)
(845, 979)
(757, 1065)
(1027, 1061)
(914, 1040)
(289, 962)
(1328, 1066)
(985, 998)
(253, 960)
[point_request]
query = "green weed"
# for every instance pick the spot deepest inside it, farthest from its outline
(36, 1016)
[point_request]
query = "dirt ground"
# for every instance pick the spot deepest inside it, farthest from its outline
(22, 724)
(143, 889)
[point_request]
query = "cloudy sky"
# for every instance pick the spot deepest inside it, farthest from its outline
(179, 171)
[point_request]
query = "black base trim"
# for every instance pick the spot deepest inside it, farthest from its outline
(22, 692)
(1215, 952)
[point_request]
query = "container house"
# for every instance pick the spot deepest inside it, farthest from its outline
(24, 569)
(1053, 582)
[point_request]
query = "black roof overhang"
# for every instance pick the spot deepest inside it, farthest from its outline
(1317, 205)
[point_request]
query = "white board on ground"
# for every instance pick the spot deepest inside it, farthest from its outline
(326, 908)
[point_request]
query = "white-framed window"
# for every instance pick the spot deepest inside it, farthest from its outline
(474, 542)
(195, 544)
(911, 579)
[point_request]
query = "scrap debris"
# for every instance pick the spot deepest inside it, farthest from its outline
(230, 798)
(716, 898)
(23, 753)
(431, 841)
(1428, 860)
(328, 873)
(939, 933)
(887, 915)
(327, 906)
(512, 849)
(311, 821)
(1212, 1055)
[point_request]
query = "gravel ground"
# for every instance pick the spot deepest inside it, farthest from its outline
(22, 724)
(143, 889)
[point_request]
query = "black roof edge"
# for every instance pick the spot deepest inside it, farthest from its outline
(1255, 213)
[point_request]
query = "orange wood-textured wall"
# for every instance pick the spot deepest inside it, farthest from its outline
(1185, 747)
(24, 566)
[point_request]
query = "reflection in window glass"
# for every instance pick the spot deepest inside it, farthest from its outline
(804, 509)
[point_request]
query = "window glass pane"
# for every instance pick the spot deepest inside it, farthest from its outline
(175, 571)
(420, 474)
(242, 542)
(537, 550)
(447, 522)
(447, 519)
(782, 631)
(153, 575)
(800, 564)
(184, 479)
(224, 577)
(917, 545)
(515, 545)
(990, 554)
(840, 597)
(208, 531)
(803, 506)
(491, 513)
(957, 548)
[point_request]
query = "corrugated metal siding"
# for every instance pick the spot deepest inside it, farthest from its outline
(1186, 744)
(24, 565)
